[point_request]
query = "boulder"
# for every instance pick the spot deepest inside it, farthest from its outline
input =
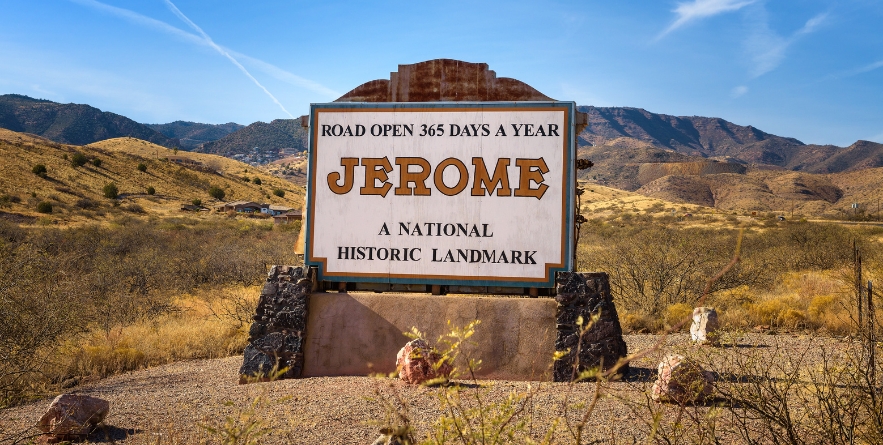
(73, 415)
(681, 380)
(705, 325)
(418, 362)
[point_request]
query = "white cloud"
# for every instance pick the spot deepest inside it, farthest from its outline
(224, 53)
(700, 9)
(261, 65)
(870, 67)
(739, 91)
(766, 48)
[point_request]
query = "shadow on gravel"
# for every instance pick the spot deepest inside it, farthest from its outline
(111, 434)
(740, 346)
(640, 375)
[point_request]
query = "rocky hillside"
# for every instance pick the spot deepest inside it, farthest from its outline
(192, 134)
(76, 124)
(719, 139)
(261, 142)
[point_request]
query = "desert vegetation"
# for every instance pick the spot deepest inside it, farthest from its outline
(91, 301)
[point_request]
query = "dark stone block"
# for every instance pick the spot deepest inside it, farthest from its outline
(276, 338)
(586, 295)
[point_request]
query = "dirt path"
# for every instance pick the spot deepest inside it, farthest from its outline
(173, 403)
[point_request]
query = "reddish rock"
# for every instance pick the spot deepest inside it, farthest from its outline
(418, 362)
(681, 380)
(73, 415)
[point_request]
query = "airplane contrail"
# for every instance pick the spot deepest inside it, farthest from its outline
(224, 53)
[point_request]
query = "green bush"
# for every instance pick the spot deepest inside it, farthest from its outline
(111, 191)
(279, 192)
(142, 167)
(44, 207)
(39, 170)
(96, 162)
(150, 190)
(257, 181)
(78, 160)
(217, 193)
(197, 202)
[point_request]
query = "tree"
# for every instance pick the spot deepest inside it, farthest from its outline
(217, 193)
(39, 170)
(78, 160)
(44, 207)
(111, 191)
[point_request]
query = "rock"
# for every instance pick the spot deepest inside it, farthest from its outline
(390, 436)
(73, 415)
(418, 362)
(681, 380)
(586, 295)
(705, 325)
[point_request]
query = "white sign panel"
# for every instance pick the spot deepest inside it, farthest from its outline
(441, 193)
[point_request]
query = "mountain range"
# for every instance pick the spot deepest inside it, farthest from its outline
(617, 139)
(194, 134)
(76, 124)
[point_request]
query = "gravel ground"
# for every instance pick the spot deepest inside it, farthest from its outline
(175, 403)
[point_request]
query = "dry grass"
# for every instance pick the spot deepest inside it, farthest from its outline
(76, 192)
(206, 324)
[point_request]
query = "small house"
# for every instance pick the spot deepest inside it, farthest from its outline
(287, 217)
(239, 207)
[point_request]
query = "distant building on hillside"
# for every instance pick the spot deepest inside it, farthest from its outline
(240, 207)
(274, 210)
(287, 217)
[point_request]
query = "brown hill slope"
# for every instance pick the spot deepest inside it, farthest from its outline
(783, 191)
(76, 193)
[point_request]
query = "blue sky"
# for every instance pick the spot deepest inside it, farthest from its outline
(809, 69)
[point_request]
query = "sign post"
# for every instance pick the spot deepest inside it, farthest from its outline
(441, 193)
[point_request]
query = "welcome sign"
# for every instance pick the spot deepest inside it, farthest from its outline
(464, 193)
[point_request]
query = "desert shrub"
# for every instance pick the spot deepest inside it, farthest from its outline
(677, 313)
(44, 207)
(96, 162)
(121, 277)
(196, 202)
(110, 191)
(9, 199)
(78, 160)
(142, 167)
(217, 193)
(39, 170)
(151, 190)
(654, 267)
(134, 208)
(86, 203)
(279, 192)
